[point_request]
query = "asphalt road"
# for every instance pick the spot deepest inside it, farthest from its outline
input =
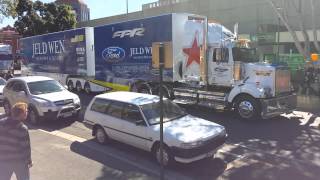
(279, 148)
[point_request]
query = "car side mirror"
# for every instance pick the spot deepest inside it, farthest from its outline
(140, 123)
(65, 86)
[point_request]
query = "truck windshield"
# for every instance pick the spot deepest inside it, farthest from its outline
(244, 55)
(171, 112)
(44, 87)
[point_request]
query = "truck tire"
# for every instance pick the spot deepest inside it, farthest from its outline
(248, 108)
(78, 86)
(70, 85)
(145, 89)
(87, 88)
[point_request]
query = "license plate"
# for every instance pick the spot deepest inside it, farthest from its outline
(68, 114)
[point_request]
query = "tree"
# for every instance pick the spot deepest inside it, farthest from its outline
(36, 18)
(7, 8)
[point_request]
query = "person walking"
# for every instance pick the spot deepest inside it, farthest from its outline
(15, 150)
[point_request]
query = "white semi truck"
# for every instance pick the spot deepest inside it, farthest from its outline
(205, 64)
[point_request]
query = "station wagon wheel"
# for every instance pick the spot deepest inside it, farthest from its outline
(167, 158)
(33, 116)
(101, 136)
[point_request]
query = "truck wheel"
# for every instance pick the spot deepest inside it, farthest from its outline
(70, 86)
(145, 89)
(248, 108)
(78, 86)
(87, 88)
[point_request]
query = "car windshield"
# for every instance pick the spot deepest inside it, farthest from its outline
(2, 82)
(44, 87)
(245, 55)
(171, 111)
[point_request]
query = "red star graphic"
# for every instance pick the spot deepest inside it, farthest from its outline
(193, 52)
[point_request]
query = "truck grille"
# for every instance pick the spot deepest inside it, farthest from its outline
(283, 81)
(63, 102)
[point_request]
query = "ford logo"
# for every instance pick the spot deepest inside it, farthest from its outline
(113, 54)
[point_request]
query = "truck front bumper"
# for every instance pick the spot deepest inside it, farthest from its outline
(278, 105)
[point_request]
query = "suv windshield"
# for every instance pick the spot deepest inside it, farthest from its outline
(44, 87)
(244, 55)
(171, 111)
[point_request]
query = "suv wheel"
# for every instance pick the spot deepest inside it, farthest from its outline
(100, 135)
(7, 107)
(33, 116)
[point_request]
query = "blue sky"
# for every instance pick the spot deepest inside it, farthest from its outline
(102, 8)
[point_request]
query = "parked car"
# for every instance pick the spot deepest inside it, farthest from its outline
(2, 84)
(134, 119)
(47, 98)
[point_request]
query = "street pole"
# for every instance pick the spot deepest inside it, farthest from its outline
(127, 5)
(278, 41)
(161, 64)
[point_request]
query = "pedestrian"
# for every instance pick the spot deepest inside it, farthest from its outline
(15, 150)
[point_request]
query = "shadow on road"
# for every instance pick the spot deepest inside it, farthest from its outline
(119, 156)
(277, 148)
(114, 167)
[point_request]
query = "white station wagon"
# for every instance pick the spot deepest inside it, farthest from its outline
(134, 118)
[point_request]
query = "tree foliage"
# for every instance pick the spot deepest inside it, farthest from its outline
(34, 18)
(7, 8)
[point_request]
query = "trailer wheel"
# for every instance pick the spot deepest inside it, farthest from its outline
(87, 88)
(247, 107)
(78, 86)
(70, 86)
(145, 89)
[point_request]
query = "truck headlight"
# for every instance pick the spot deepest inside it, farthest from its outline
(191, 145)
(267, 91)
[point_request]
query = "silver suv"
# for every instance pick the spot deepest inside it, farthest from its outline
(47, 98)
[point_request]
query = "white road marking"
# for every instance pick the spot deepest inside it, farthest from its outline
(66, 136)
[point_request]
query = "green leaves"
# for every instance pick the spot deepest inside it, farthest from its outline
(36, 18)
(8, 8)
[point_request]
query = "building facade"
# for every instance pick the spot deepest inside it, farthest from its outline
(80, 9)
(8, 35)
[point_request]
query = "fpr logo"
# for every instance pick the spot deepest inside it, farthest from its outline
(130, 33)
